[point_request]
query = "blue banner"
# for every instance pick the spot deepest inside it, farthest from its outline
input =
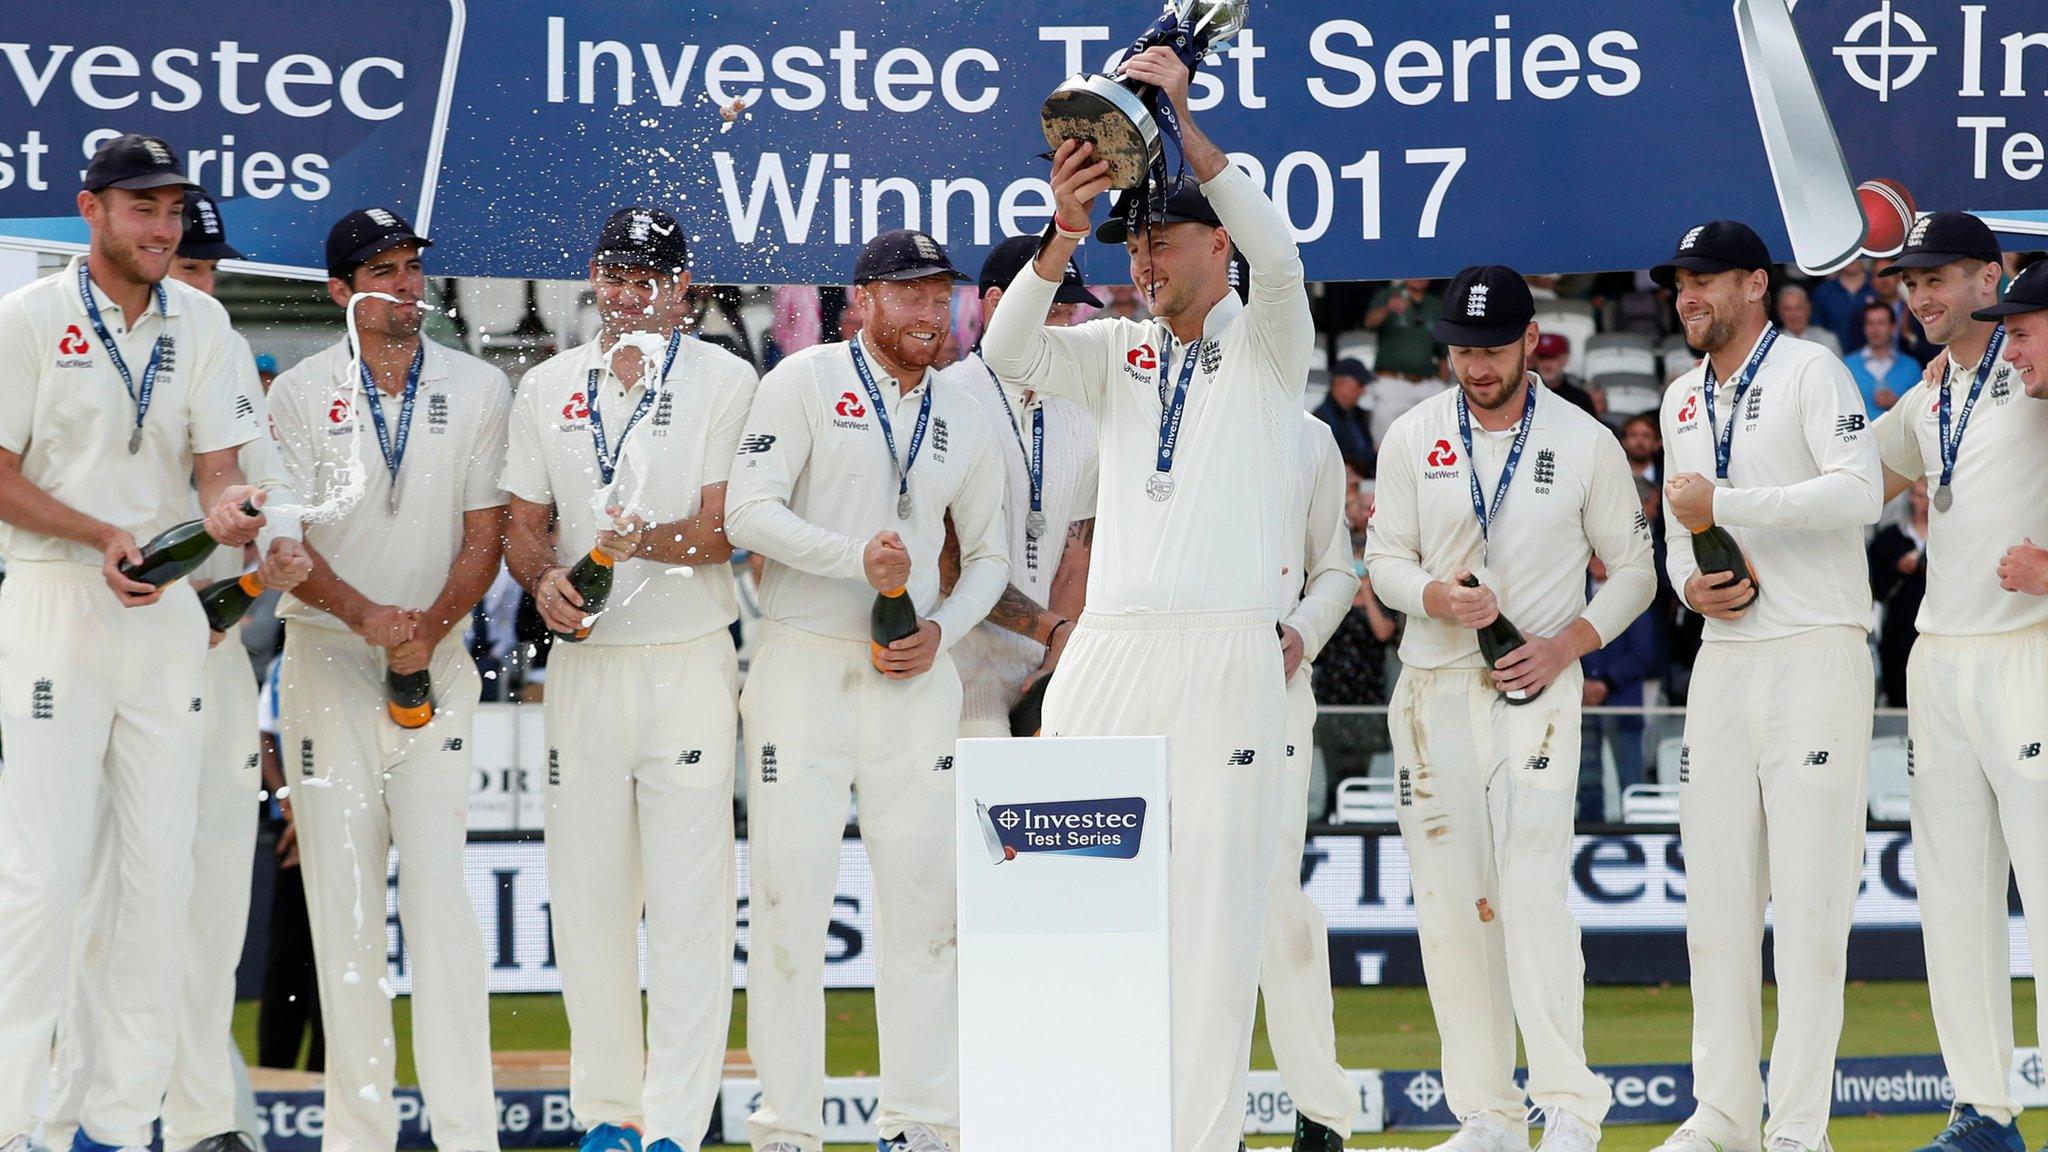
(1403, 139)
(1110, 828)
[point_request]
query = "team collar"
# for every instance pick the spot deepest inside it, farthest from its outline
(106, 302)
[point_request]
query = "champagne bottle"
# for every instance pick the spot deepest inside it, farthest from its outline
(412, 698)
(1717, 552)
(592, 579)
(1496, 641)
(176, 551)
(893, 618)
(227, 601)
(1028, 717)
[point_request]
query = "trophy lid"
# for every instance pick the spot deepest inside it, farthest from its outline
(1211, 21)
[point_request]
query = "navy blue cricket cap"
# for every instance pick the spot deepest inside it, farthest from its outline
(1944, 238)
(136, 163)
(1487, 306)
(2028, 292)
(206, 238)
(364, 233)
(903, 254)
(1007, 259)
(1716, 246)
(642, 237)
(1182, 204)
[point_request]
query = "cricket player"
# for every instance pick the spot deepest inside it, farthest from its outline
(121, 395)
(199, 1111)
(1198, 414)
(1502, 479)
(1766, 438)
(1048, 504)
(1978, 676)
(853, 457)
(628, 441)
(412, 547)
(1294, 966)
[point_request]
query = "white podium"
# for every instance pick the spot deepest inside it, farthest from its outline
(1065, 1037)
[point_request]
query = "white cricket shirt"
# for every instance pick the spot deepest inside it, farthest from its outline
(1321, 579)
(260, 466)
(2000, 492)
(1218, 544)
(685, 442)
(814, 482)
(1572, 497)
(67, 413)
(453, 458)
(1803, 482)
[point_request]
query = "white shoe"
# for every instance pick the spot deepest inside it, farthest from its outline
(1792, 1144)
(1482, 1132)
(17, 1144)
(919, 1138)
(1688, 1140)
(778, 1146)
(1564, 1132)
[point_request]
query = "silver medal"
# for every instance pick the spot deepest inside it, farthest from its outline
(1034, 525)
(1943, 498)
(1160, 486)
(135, 442)
(903, 506)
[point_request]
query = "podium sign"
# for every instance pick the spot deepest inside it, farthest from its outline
(1064, 995)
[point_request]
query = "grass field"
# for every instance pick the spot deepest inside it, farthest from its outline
(1380, 1028)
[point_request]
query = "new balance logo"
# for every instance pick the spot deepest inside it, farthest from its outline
(1290, 751)
(452, 744)
(197, 704)
(245, 408)
(1850, 425)
(767, 763)
(555, 767)
(1243, 756)
(2030, 751)
(252, 763)
(943, 764)
(1537, 763)
(42, 703)
(1815, 759)
(691, 756)
(758, 442)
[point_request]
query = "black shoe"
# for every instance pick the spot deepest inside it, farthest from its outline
(1310, 1136)
(225, 1142)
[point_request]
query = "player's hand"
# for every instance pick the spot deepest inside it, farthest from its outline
(228, 524)
(1909, 563)
(1160, 68)
(287, 837)
(1055, 647)
(1467, 607)
(285, 566)
(213, 639)
(886, 562)
(1532, 667)
(118, 548)
(557, 601)
(912, 655)
(386, 627)
(1691, 499)
(2024, 568)
(1936, 368)
(415, 653)
(1291, 652)
(622, 540)
(1077, 179)
(1717, 600)
(1398, 302)
(1595, 693)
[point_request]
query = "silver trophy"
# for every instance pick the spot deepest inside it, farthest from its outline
(1122, 117)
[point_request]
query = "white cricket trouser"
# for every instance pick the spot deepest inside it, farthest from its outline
(1979, 730)
(99, 706)
(820, 721)
(1211, 683)
(1487, 795)
(1294, 964)
(985, 730)
(361, 784)
(1771, 809)
(201, 1101)
(639, 817)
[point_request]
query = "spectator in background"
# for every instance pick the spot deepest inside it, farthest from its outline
(1898, 580)
(1350, 424)
(1553, 352)
(1838, 303)
(1643, 442)
(266, 370)
(1617, 676)
(1408, 361)
(798, 323)
(1881, 371)
(1795, 317)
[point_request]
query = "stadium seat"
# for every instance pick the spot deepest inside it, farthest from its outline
(1620, 352)
(1670, 750)
(1573, 320)
(1676, 357)
(1364, 800)
(1630, 392)
(1361, 346)
(1650, 804)
(1890, 778)
(491, 307)
(1381, 766)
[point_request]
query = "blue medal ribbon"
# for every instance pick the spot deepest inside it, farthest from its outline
(156, 353)
(394, 448)
(1173, 407)
(924, 415)
(607, 457)
(1034, 456)
(1486, 512)
(1952, 448)
(1724, 438)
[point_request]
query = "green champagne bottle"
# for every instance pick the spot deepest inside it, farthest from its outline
(1716, 552)
(592, 579)
(893, 618)
(1028, 717)
(176, 552)
(412, 698)
(1496, 641)
(227, 601)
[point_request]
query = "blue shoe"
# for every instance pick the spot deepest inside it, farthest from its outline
(664, 1145)
(84, 1143)
(612, 1138)
(1970, 1131)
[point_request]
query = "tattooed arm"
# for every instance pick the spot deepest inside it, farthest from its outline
(1070, 584)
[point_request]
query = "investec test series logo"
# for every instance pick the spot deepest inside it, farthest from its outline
(1110, 827)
